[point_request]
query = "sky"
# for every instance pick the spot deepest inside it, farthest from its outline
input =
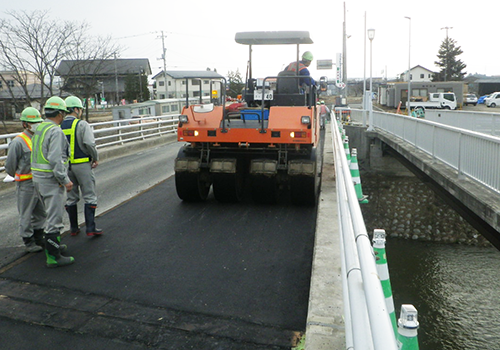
(200, 34)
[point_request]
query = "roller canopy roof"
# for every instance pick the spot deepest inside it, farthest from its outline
(273, 38)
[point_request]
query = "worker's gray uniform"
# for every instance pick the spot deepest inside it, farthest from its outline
(50, 185)
(82, 174)
(29, 206)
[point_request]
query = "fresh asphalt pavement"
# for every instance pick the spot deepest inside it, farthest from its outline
(168, 274)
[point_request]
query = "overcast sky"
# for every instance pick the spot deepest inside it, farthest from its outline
(200, 34)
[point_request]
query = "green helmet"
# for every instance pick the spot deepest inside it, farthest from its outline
(31, 115)
(73, 101)
(307, 56)
(55, 102)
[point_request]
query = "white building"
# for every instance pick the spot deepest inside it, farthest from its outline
(417, 73)
(181, 83)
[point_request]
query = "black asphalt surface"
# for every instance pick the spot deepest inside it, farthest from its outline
(168, 275)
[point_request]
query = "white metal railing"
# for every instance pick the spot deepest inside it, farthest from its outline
(368, 324)
(116, 132)
(483, 122)
(471, 153)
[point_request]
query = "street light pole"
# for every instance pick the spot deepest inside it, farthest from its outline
(364, 77)
(371, 35)
(409, 56)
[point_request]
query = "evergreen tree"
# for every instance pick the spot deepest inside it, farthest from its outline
(451, 68)
(235, 83)
(136, 89)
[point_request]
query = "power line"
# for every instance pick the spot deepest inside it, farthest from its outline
(133, 36)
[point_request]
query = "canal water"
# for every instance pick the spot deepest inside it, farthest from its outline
(455, 288)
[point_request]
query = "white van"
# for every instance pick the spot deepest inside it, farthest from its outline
(493, 100)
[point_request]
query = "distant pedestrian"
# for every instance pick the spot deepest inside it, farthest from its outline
(83, 159)
(49, 165)
(324, 114)
(31, 211)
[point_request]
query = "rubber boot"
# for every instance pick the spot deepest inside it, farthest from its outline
(52, 251)
(73, 219)
(31, 246)
(90, 220)
(38, 236)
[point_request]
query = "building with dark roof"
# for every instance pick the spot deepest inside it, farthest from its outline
(102, 78)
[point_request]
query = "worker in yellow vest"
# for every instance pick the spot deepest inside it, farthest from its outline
(49, 165)
(32, 213)
(83, 160)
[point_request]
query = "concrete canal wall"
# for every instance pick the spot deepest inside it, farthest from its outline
(401, 203)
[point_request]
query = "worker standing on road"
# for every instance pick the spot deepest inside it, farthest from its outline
(307, 58)
(32, 213)
(324, 114)
(49, 165)
(83, 159)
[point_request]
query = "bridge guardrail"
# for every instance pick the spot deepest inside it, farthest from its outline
(367, 320)
(471, 153)
(116, 132)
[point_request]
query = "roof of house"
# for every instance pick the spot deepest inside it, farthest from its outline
(119, 66)
(418, 66)
(34, 90)
(191, 74)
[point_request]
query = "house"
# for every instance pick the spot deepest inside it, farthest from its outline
(14, 96)
(417, 73)
(180, 83)
(101, 78)
(393, 93)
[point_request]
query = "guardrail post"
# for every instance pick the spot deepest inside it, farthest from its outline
(407, 328)
(356, 178)
(346, 150)
(383, 273)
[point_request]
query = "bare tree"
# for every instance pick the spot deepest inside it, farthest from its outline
(32, 42)
(85, 63)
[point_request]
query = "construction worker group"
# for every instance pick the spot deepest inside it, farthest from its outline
(48, 159)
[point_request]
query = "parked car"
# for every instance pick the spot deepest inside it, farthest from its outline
(493, 100)
(470, 99)
(481, 99)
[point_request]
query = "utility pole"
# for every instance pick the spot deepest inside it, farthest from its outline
(116, 83)
(344, 58)
(447, 53)
(164, 57)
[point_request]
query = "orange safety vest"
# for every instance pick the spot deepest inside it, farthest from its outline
(293, 66)
(24, 177)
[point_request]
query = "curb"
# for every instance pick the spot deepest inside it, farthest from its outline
(325, 317)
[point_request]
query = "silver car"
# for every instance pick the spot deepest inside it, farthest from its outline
(470, 99)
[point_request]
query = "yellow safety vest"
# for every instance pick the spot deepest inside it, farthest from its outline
(77, 155)
(38, 160)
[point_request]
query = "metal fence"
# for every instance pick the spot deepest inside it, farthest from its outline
(483, 122)
(116, 132)
(473, 154)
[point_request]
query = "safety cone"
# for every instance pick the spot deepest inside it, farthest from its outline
(383, 273)
(356, 179)
(346, 149)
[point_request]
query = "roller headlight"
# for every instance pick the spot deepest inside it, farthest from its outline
(183, 119)
(305, 119)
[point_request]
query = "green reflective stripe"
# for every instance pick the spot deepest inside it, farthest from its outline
(38, 160)
(72, 134)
